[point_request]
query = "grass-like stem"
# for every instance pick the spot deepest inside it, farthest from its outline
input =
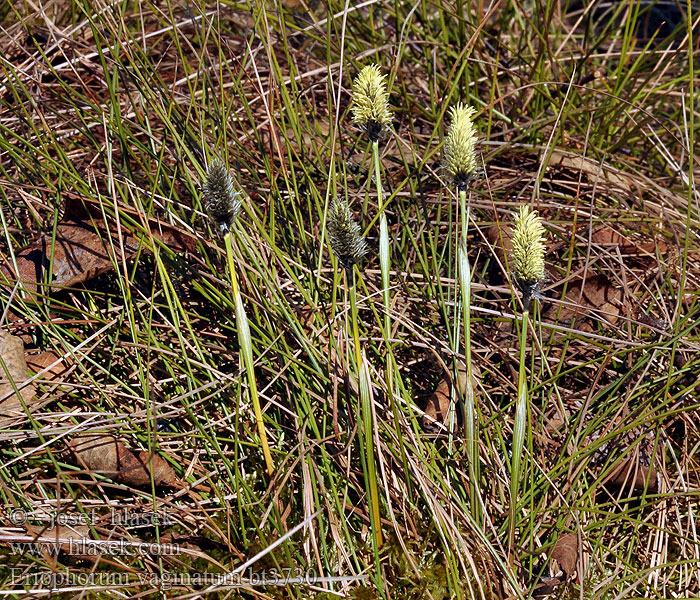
(365, 417)
(470, 416)
(246, 349)
(520, 424)
(384, 249)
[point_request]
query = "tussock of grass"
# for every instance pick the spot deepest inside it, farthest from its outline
(585, 114)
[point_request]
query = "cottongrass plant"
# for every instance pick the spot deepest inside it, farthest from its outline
(370, 111)
(350, 247)
(460, 165)
(222, 203)
(527, 267)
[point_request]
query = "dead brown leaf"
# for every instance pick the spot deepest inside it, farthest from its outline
(38, 362)
(633, 476)
(565, 553)
(596, 298)
(13, 363)
(74, 540)
(82, 250)
(106, 455)
(595, 171)
(438, 405)
(608, 237)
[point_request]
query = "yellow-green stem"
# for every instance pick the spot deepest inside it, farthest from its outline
(354, 317)
(366, 418)
(470, 420)
(520, 423)
(384, 263)
(384, 249)
(246, 348)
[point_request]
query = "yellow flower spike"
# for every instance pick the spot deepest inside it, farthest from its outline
(528, 252)
(345, 234)
(460, 156)
(370, 107)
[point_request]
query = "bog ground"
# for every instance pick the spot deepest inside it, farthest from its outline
(139, 335)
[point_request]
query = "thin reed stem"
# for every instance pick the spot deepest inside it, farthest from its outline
(246, 349)
(365, 418)
(521, 418)
(470, 417)
(384, 249)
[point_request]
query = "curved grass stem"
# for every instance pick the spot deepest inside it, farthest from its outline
(246, 348)
(467, 393)
(366, 419)
(384, 249)
(521, 418)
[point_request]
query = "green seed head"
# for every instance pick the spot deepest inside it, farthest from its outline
(370, 107)
(345, 235)
(460, 157)
(221, 201)
(527, 260)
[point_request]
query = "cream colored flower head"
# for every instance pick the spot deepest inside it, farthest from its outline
(370, 102)
(345, 234)
(221, 201)
(460, 155)
(527, 257)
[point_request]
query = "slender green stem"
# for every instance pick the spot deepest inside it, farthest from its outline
(371, 475)
(521, 414)
(384, 249)
(470, 418)
(246, 348)
(463, 216)
(366, 418)
(354, 317)
(384, 263)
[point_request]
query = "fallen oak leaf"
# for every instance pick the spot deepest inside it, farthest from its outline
(437, 409)
(39, 362)
(597, 297)
(73, 540)
(630, 475)
(77, 541)
(138, 475)
(595, 171)
(105, 455)
(563, 565)
(565, 553)
(91, 212)
(13, 374)
(607, 237)
(81, 251)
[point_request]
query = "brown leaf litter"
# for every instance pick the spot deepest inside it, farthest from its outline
(565, 553)
(73, 540)
(437, 409)
(39, 362)
(84, 247)
(595, 298)
(592, 297)
(105, 455)
(13, 374)
(563, 565)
